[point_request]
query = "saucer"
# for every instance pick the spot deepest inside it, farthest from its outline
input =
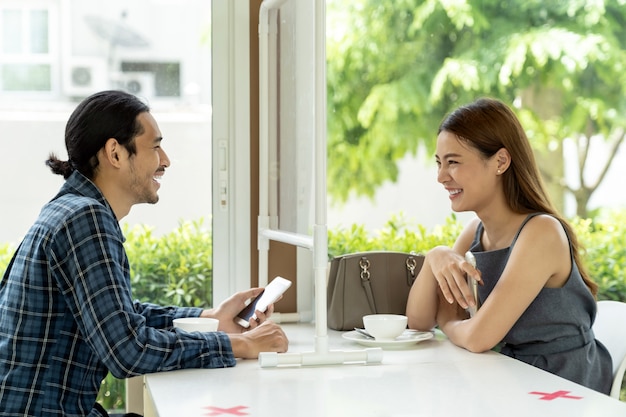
(408, 338)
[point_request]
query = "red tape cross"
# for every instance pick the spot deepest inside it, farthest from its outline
(547, 396)
(234, 411)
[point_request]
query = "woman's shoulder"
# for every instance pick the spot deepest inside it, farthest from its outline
(543, 220)
(545, 227)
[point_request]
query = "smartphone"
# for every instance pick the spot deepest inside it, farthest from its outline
(473, 284)
(270, 294)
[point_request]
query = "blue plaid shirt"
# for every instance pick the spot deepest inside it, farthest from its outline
(67, 316)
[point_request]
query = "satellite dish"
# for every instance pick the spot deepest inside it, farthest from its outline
(117, 33)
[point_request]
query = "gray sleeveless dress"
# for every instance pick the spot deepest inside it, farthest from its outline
(554, 333)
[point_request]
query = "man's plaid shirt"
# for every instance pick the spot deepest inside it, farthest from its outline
(67, 316)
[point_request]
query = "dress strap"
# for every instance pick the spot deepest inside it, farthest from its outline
(480, 228)
(530, 216)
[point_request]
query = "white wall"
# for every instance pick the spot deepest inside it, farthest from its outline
(176, 31)
(28, 184)
(33, 125)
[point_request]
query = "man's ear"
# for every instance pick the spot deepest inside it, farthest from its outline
(111, 151)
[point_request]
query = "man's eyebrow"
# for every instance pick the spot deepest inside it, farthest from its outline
(158, 139)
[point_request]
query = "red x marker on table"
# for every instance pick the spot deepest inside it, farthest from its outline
(233, 411)
(547, 396)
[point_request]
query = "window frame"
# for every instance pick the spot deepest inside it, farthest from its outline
(232, 226)
(50, 58)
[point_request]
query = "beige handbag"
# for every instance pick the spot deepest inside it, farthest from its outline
(369, 283)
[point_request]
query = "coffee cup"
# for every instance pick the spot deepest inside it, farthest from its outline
(197, 324)
(385, 326)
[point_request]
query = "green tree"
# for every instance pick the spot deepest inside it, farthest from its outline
(396, 68)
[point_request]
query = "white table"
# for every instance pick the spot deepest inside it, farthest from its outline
(432, 378)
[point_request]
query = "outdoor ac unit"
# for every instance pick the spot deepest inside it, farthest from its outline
(83, 76)
(139, 83)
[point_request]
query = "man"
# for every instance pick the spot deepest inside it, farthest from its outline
(66, 313)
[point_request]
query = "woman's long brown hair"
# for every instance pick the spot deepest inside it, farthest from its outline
(489, 125)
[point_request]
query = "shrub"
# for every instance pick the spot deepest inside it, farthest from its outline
(174, 269)
(603, 240)
(6, 252)
(398, 234)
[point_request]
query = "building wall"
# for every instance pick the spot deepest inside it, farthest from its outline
(28, 183)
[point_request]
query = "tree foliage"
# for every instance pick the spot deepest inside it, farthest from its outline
(396, 68)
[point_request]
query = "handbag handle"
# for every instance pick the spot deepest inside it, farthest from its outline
(411, 265)
(365, 275)
(364, 265)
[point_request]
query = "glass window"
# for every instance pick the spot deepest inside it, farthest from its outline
(25, 50)
(39, 31)
(26, 77)
(12, 31)
(55, 53)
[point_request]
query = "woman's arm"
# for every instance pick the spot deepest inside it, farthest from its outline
(441, 279)
(422, 304)
(540, 258)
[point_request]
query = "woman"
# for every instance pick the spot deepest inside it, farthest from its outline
(535, 297)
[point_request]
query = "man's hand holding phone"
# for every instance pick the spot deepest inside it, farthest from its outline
(227, 311)
(271, 293)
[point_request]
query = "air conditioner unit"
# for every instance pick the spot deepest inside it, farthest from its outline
(139, 83)
(83, 76)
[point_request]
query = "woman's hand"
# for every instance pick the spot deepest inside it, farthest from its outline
(451, 270)
(229, 308)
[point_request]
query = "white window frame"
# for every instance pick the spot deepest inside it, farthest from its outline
(26, 57)
(231, 209)
(231, 147)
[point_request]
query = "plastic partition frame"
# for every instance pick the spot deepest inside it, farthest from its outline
(318, 243)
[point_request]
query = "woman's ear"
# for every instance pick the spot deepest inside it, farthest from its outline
(503, 160)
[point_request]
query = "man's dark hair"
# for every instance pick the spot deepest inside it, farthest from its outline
(99, 117)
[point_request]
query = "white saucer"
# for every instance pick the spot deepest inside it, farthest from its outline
(408, 338)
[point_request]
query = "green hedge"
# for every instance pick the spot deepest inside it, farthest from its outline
(176, 268)
(398, 234)
(603, 239)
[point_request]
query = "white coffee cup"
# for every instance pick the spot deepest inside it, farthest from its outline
(385, 326)
(197, 324)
